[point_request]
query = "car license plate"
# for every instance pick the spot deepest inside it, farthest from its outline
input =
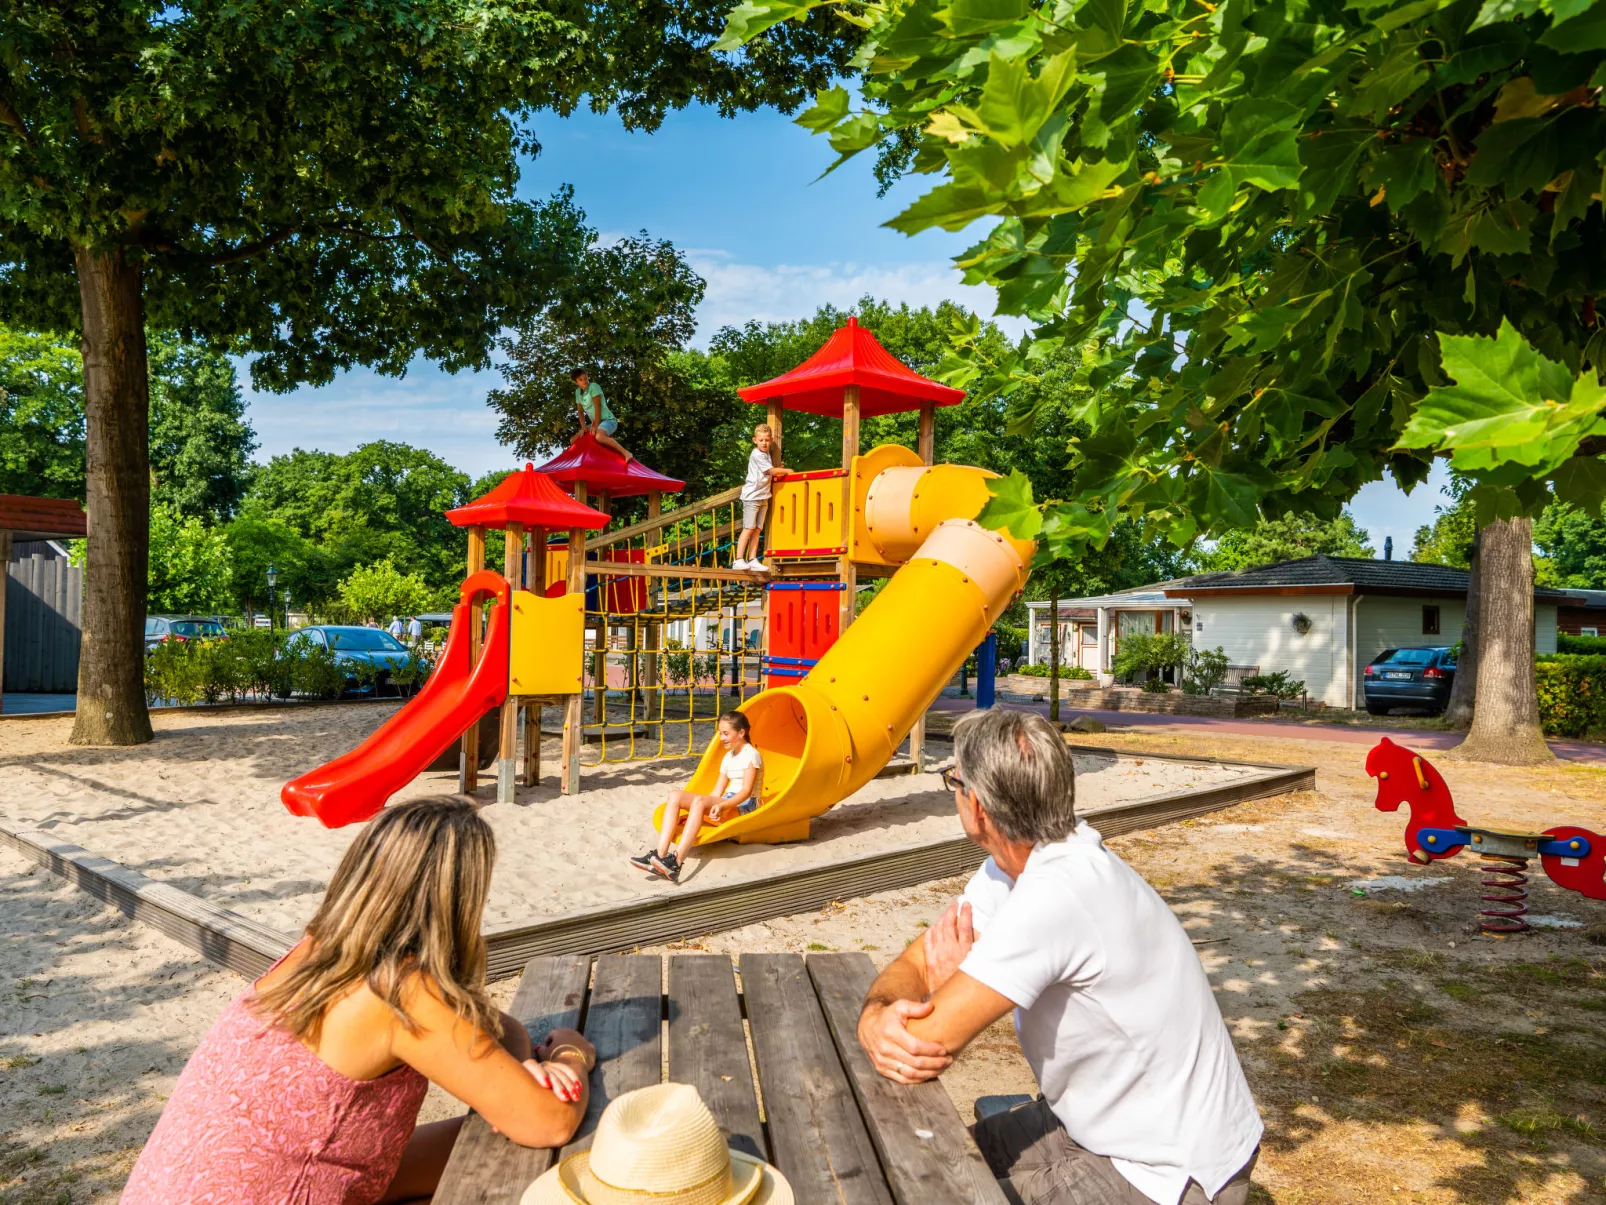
(1406, 676)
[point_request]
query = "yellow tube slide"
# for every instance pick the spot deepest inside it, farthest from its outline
(827, 736)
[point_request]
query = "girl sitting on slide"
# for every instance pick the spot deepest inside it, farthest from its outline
(308, 1086)
(741, 773)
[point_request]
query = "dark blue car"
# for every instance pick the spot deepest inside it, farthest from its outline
(354, 647)
(1419, 678)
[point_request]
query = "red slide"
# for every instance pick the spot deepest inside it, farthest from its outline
(356, 785)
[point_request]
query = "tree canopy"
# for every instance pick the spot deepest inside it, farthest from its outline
(1288, 538)
(1574, 544)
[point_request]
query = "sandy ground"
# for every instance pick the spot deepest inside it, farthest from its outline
(199, 808)
(1396, 1054)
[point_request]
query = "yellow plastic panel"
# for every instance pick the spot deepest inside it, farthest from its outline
(788, 529)
(827, 520)
(867, 468)
(557, 563)
(548, 639)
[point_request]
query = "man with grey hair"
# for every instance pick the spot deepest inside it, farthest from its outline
(1142, 1099)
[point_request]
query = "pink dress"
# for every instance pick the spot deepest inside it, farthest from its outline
(258, 1119)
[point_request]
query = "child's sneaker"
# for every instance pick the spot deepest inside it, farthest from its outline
(643, 862)
(739, 565)
(758, 566)
(667, 867)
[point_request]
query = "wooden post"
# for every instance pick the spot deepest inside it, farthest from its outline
(850, 425)
(468, 767)
(773, 418)
(928, 454)
(847, 572)
(5, 560)
(655, 503)
(507, 752)
(569, 771)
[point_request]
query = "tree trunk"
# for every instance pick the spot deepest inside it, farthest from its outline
(1459, 710)
(111, 666)
(1505, 723)
(1054, 653)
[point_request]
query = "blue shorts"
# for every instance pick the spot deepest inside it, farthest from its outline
(608, 426)
(747, 807)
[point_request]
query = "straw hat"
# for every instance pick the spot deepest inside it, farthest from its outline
(659, 1146)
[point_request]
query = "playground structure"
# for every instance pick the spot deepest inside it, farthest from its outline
(643, 635)
(1573, 857)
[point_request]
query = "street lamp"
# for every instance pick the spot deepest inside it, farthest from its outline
(273, 578)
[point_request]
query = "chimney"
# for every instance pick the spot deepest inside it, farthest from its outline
(1388, 548)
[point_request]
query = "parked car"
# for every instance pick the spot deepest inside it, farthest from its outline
(1418, 677)
(181, 627)
(356, 647)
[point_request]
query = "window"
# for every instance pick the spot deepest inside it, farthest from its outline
(1430, 621)
(1589, 631)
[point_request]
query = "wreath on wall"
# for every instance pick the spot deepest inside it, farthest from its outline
(1301, 622)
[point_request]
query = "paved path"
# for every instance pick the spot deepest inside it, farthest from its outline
(1591, 752)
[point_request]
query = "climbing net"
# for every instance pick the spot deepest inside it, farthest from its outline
(672, 640)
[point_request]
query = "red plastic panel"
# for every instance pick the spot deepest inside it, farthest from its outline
(626, 595)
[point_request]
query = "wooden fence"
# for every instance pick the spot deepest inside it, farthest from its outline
(43, 624)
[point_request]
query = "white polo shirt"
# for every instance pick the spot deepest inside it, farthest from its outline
(1115, 1016)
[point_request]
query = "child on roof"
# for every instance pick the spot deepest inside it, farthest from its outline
(595, 416)
(741, 774)
(756, 490)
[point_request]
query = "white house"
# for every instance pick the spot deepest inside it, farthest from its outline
(1320, 618)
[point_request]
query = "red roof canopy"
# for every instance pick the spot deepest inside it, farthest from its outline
(530, 498)
(42, 518)
(853, 357)
(588, 461)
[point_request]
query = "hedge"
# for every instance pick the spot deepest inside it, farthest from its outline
(1588, 645)
(1041, 671)
(1572, 694)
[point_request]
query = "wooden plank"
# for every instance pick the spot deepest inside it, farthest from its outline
(712, 573)
(818, 1138)
(667, 519)
(217, 934)
(623, 1021)
(486, 1168)
(925, 1149)
(708, 1047)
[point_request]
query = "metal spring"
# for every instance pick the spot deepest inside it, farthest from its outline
(1506, 876)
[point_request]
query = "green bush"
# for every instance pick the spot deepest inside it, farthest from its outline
(1066, 671)
(413, 672)
(1156, 686)
(1155, 652)
(1204, 670)
(1011, 641)
(1572, 694)
(1279, 684)
(1589, 646)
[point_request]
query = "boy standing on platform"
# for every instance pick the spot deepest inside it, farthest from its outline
(594, 413)
(756, 490)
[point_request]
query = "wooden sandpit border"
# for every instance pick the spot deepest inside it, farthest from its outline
(231, 940)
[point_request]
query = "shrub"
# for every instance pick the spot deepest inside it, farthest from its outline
(1592, 646)
(314, 672)
(1204, 670)
(1011, 641)
(1279, 684)
(1572, 694)
(1156, 686)
(1066, 671)
(1155, 652)
(413, 672)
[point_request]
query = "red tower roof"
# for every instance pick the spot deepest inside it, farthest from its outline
(42, 518)
(586, 460)
(852, 356)
(530, 498)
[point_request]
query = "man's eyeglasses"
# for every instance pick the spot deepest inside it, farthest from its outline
(953, 782)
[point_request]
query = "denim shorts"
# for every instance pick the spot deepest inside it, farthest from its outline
(747, 807)
(608, 426)
(753, 513)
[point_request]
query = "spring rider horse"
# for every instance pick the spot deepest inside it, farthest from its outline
(1574, 858)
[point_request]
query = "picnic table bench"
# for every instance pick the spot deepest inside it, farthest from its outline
(838, 1131)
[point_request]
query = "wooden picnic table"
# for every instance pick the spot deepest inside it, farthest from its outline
(839, 1132)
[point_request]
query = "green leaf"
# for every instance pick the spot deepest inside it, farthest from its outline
(968, 18)
(1011, 507)
(948, 206)
(1582, 482)
(1577, 34)
(1329, 160)
(1125, 78)
(1257, 139)
(1507, 405)
(1518, 155)
(1014, 106)
(1401, 73)
(748, 19)
(830, 106)
(1496, 11)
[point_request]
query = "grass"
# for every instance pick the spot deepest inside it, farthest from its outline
(16, 1062)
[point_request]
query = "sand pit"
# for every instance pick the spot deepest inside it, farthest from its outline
(198, 808)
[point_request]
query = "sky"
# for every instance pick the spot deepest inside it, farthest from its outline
(742, 200)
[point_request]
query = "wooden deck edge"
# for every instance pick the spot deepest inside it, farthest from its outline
(679, 915)
(242, 945)
(222, 708)
(217, 934)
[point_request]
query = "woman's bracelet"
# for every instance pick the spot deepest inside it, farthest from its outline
(570, 1048)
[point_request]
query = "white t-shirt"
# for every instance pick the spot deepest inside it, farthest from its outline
(1115, 1016)
(757, 486)
(734, 765)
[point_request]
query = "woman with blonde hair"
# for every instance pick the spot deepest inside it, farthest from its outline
(307, 1089)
